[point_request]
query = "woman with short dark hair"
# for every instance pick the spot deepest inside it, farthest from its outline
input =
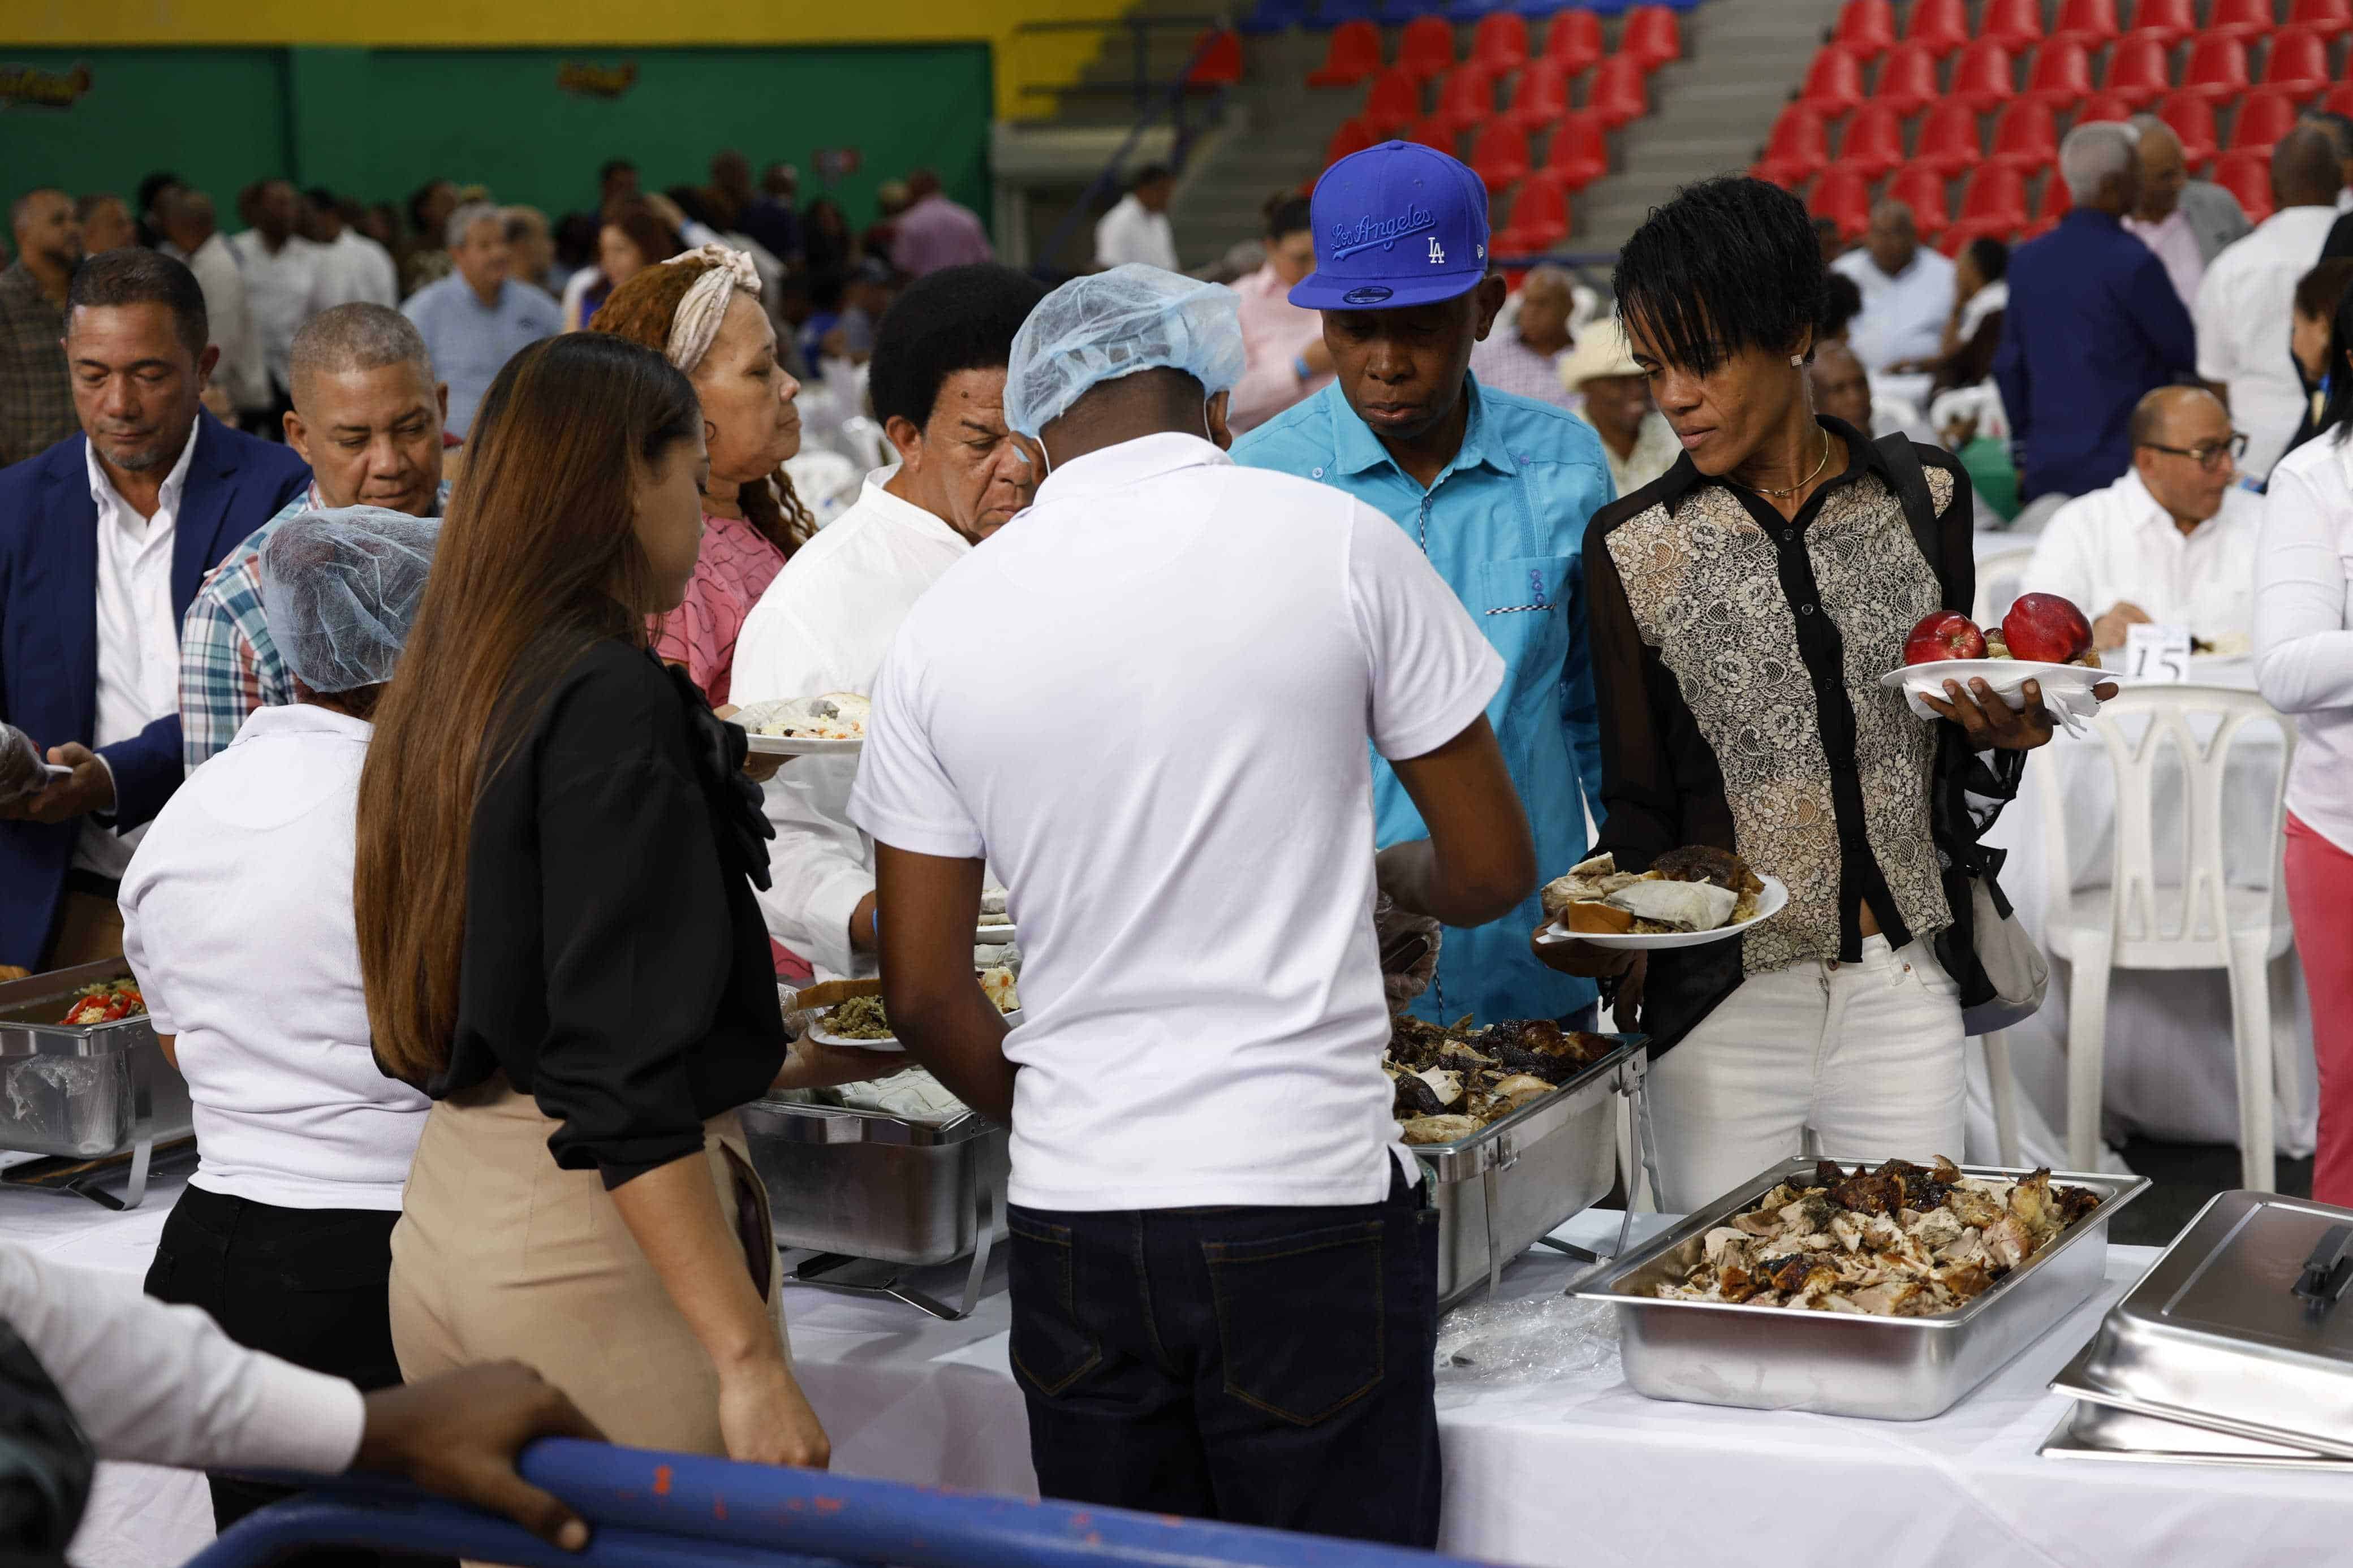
(1742, 609)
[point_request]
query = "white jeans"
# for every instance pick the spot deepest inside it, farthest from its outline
(1866, 1055)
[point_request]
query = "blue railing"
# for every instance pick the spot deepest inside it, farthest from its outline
(649, 1510)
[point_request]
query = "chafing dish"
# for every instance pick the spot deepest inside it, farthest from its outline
(2242, 1326)
(851, 1184)
(84, 1091)
(1508, 1186)
(2093, 1430)
(1839, 1363)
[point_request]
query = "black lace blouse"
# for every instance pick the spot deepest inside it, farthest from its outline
(616, 966)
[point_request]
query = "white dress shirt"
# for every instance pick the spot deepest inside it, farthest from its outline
(824, 626)
(2119, 546)
(222, 279)
(281, 292)
(138, 635)
(2304, 618)
(1130, 233)
(355, 269)
(1654, 452)
(1131, 728)
(162, 1385)
(1903, 317)
(2176, 245)
(2245, 312)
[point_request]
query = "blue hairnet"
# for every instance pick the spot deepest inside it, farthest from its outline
(1099, 328)
(340, 589)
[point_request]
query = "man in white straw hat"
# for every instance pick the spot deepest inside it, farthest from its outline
(1636, 439)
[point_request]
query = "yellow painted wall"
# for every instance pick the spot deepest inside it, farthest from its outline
(1024, 59)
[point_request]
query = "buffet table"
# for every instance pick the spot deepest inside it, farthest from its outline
(1570, 1469)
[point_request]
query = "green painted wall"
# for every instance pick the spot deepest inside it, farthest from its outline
(376, 124)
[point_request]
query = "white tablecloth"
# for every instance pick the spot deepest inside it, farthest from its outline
(1577, 1470)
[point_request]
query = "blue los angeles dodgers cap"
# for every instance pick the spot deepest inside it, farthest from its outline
(1396, 224)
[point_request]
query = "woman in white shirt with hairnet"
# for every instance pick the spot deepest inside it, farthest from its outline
(236, 916)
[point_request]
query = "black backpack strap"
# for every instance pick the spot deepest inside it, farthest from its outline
(1911, 482)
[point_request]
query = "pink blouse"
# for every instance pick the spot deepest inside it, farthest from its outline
(735, 568)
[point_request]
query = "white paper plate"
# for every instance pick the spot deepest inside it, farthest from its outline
(57, 770)
(2066, 688)
(1770, 902)
(752, 715)
(825, 1037)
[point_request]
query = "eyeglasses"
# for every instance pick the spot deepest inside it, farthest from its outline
(2207, 456)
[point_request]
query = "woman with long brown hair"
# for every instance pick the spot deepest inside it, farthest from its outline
(701, 311)
(557, 850)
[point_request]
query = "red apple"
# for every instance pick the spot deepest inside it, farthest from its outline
(1942, 635)
(2046, 628)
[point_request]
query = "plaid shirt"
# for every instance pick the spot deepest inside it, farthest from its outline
(228, 666)
(37, 409)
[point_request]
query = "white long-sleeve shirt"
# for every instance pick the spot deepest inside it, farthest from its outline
(2304, 628)
(219, 276)
(823, 625)
(2120, 546)
(1132, 232)
(162, 1385)
(2245, 310)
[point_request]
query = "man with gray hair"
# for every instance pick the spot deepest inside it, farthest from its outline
(478, 316)
(2091, 326)
(1525, 356)
(2246, 304)
(1907, 297)
(2187, 222)
(368, 414)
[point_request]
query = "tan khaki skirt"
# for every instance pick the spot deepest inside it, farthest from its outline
(501, 1255)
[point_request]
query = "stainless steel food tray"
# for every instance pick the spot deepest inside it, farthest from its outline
(2217, 1334)
(862, 1184)
(2092, 1429)
(1841, 1363)
(1510, 1185)
(85, 1091)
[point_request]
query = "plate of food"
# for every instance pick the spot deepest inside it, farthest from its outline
(832, 724)
(2043, 638)
(1688, 898)
(858, 1020)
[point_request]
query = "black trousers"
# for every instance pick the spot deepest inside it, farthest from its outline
(1267, 1366)
(308, 1286)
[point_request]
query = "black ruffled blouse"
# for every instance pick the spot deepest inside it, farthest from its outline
(616, 965)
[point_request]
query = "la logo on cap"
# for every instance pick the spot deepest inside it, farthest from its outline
(1437, 252)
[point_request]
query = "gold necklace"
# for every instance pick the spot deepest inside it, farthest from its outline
(1801, 484)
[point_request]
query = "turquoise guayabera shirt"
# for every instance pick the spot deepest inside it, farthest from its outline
(1504, 525)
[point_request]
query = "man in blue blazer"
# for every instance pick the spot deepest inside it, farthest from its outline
(103, 540)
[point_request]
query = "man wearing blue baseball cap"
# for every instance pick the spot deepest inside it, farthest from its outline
(1496, 489)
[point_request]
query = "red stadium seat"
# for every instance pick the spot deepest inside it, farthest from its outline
(2330, 18)
(1982, 78)
(2061, 75)
(2297, 62)
(1351, 139)
(1539, 220)
(1433, 132)
(1391, 103)
(1428, 49)
(1797, 149)
(2100, 108)
(2248, 176)
(2192, 118)
(2090, 23)
(1579, 155)
(1617, 95)
(1500, 156)
(1942, 24)
(1653, 35)
(2138, 71)
(1995, 201)
(1575, 40)
(1866, 28)
(2245, 20)
(1844, 197)
(2015, 24)
(1217, 59)
(2025, 138)
(1834, 81)
(1922, 190)
(2166, 21)
(2055, 204)
(1948, 139)
(1872, 144)
(2339, 99)
(2264, 116)
(1539, 96)
(1908, 78)
(2217, 68)
(1501, 43)
(1466, 97)
(1352, 55)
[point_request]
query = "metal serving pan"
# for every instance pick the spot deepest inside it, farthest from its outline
(1506, 1186)
(2241, 1326)
(2096, 1430)
(84, 1091)
(1841, 1363)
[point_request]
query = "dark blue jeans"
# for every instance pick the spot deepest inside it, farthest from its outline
(1267, 1366)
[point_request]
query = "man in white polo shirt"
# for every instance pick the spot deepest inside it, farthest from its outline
(1147, 705)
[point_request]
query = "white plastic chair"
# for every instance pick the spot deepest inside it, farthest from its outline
(867, 443)
(2136, 921)
(1998, 579)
